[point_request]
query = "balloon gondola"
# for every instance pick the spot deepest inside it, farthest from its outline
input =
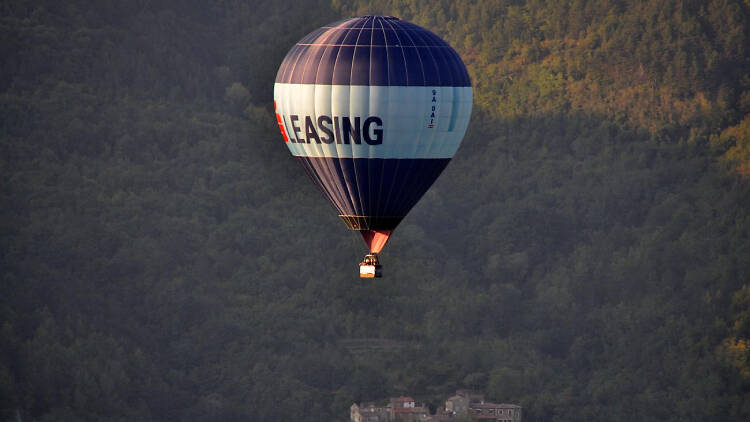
(373, 108)
(370, 266)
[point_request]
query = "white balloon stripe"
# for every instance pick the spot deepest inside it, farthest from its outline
(360, 121)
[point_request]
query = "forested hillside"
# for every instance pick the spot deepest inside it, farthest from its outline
(585, 255)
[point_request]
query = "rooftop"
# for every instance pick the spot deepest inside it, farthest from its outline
(494, 406)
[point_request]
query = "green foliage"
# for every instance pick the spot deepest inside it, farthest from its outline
(585, 255)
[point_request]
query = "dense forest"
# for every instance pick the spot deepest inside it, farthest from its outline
(585, 255)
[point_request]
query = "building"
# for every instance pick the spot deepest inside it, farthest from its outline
(405, 409)
(495, 412)
(369, 412)
(463, 402)
(458, 404)
(398, 409)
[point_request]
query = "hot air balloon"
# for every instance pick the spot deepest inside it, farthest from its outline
(373, 108)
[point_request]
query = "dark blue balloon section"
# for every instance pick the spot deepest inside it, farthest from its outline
(373, 193)
(376, 51)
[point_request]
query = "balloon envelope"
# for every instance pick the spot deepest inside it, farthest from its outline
(373, 108)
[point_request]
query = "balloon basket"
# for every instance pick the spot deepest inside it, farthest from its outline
(370, 267)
